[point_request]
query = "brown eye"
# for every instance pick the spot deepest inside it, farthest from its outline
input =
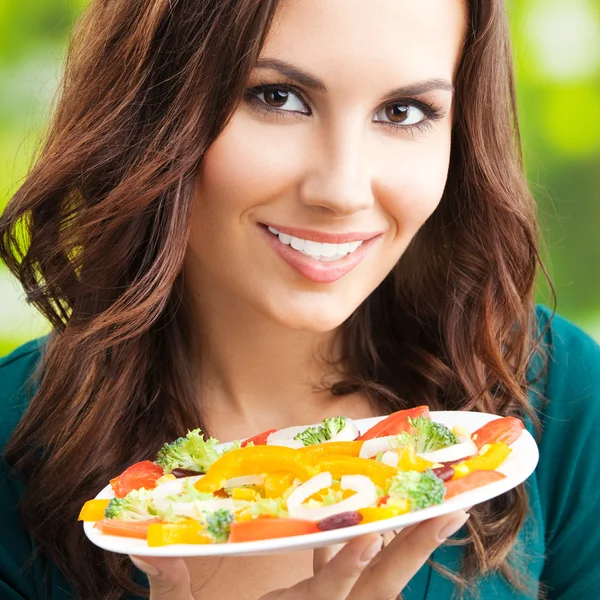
(276, 97)
(403, 115)
(397, 113)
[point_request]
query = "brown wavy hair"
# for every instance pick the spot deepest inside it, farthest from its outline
(98, 231)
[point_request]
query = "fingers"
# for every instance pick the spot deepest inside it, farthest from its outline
(321, 556)
(399, 562)
(335, 579)
(169, 578)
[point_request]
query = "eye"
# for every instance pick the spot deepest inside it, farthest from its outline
(400, 114)
(279, 98)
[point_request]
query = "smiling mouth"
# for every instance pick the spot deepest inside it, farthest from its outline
(321, 251)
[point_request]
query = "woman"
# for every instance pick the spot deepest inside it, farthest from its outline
(250, 215)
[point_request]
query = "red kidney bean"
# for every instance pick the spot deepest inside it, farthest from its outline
(345, 519)
(445, 473)
(179, 473)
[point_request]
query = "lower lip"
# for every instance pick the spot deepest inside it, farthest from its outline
(315, 270)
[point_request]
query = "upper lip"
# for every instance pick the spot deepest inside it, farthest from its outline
(323, 237)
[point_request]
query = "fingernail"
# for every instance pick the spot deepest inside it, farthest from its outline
(142, 565)
(371, 551)
(453, 526)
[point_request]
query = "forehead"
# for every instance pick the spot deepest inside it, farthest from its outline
(411, 39)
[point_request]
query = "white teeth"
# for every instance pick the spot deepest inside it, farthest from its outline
(329, 250)
(297, 243)
(313, 248)
(317, 250)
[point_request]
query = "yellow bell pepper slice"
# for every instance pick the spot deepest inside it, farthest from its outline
(489, 460)
(312, 453)
(93, 510)
(186, 532)
(409, 461)
(241, 493)
(378, 513)
(277, 482)
(253, 460)
(378, 472)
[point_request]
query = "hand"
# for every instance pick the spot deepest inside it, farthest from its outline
(361, 570)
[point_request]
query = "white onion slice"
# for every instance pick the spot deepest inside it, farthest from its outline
(366, 495)
(244, 480)
(373, 446)
(170, 488)
(465, 447)
(390, 458)
(285, 437)
(348, 433)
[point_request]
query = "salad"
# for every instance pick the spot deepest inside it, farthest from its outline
(299, 480)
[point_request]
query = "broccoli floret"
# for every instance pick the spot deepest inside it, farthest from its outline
(218, 524)
(431, 435)
(419, 489)
(323, 432)
(191, 452)
(136, 506)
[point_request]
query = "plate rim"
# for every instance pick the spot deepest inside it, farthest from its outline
(123, 545)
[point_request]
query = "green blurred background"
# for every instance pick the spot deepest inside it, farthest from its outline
(557, 53)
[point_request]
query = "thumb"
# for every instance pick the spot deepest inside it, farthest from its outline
(169, 578)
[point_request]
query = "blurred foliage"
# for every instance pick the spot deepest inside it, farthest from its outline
(557, 57)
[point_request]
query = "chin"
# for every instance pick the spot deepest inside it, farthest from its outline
(311, 316)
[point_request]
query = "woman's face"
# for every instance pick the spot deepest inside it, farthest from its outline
(341, 146)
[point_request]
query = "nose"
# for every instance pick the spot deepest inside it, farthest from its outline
(338, 177)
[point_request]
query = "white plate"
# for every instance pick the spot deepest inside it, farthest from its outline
(519, 465)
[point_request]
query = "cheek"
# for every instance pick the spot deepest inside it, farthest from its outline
(249, 164)
(412, 185)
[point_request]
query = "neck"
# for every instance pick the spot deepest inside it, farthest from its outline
(255, 374)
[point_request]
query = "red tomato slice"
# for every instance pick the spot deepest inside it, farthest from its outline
(140, 475)
(506, 429)
(263, 529)
(260, 439)
(395, 423)
(136, 529)
(471, 481)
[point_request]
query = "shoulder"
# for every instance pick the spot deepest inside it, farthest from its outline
(17, 384)
(570, 383)
(569, 464)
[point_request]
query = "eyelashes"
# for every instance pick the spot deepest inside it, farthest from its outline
(284, 92)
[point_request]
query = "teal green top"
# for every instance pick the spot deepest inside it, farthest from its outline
(561, 537)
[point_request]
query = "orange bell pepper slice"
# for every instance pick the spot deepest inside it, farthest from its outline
(378, 472)
(312, 453)
(267, 528)
(277, 482)
(186, 532)
(93, 510)
(253, 460)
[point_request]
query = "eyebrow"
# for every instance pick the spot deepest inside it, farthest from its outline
(314, 83)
